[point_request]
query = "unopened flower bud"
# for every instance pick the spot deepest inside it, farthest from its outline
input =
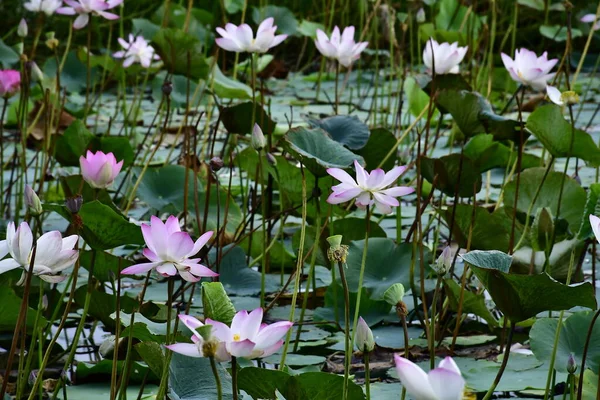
(33, 201)
(74, 204)
(216, 163)
(36, 73)
(51, 41)
(364, 336)
(271, 159)
(444, 262)
(22, 29)
(571, 364)
(258, 138)
(420, 17)
(167, 88)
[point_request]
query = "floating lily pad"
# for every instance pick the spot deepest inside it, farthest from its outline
(345, 129)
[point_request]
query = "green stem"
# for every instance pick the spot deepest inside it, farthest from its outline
(347, 348)
(432, 323)
(234, 383)
(490, 392)
(213, 366)
(367, 376)
(162, 389)
(361, 276)
(337, 93)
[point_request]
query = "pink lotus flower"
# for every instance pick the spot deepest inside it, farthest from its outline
(445, 56)
(241, 39)
(86, 7)
(137, 50)
(528, 69)
(48, 7)
(99, 169)
(340, 47)
(10, 82)
(590, 18)
(595, 224)
(53, 254)
(368, 188)
(247, 338)
(197, 347)
(169, 251)
(442, 383)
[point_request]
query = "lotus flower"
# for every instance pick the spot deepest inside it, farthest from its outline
(53, 254)
(137, 50)
(442, 383)
(368, 188)
(10, 82)
(48, 7)
(529, 69)
(445, 56)
(340, 47)
(241, 39)
(590, 18)
(198, 347)
(169, 251)
(83, 9)
(99, 169)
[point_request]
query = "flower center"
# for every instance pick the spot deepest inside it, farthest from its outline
(236, 337)
(520, 74)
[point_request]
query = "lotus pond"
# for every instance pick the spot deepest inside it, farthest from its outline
(369, 199)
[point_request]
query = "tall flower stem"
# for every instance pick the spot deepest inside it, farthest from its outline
(347, 343)
(432, 323)
(367, 375)
(20, 321)
(2, 114)
(234, 382)
(361, 276)
(337, 93)
(509, 341)
(162, 389)
(213, 366)
(518, 170)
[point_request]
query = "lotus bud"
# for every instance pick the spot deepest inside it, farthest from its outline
(571, 364)
(420, 16)
(258, 138)
(36, 73)
(216, 163)
(22, 29)
(271, 159)
(167, 88)
(444, 262)
(73, 204)
(33, 201)
(364, 336)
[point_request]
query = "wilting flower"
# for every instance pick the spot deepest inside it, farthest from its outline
(569, 97)
(241, 38)
(169, 251)
(86, 7)
(529, 69)
(99, 169)
(445, 56)
(368, 188)
(10, 82)
(48, 7)
(442, 383)
(364, 336)
(53, 254)
(340, 47)
(200, 347)
(138, 50)
(589, 18)
(247, 338)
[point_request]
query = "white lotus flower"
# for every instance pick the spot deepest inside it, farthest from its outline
(135, 50)
(445, 56)
(53, 254)
(48, 7)
(442, 383)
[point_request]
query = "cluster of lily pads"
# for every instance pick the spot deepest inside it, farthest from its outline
(279, 215)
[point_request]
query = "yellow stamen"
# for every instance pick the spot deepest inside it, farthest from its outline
(236, 337)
